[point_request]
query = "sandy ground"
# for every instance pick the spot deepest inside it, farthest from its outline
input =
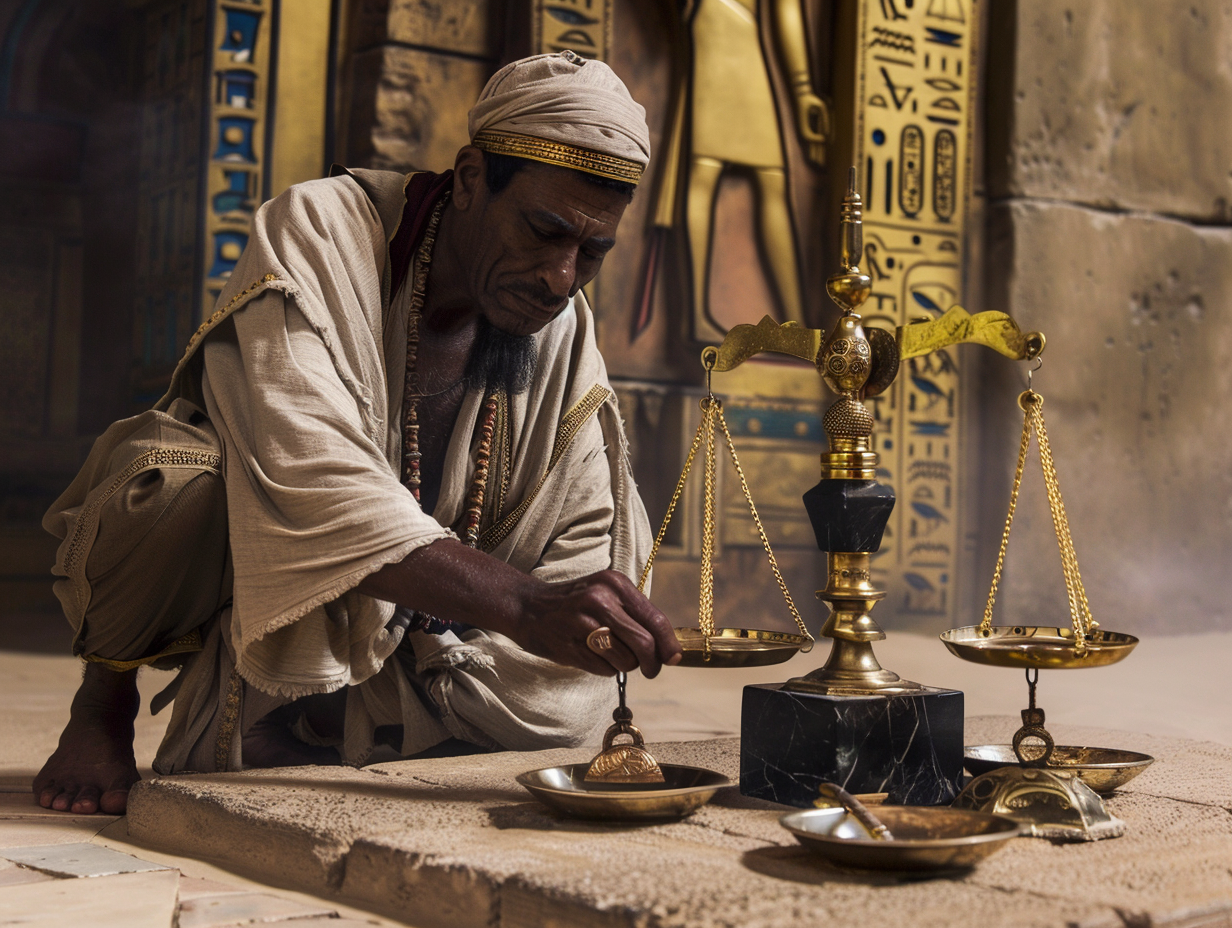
(1168, 686)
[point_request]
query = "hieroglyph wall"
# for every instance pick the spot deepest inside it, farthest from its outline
(914, 120)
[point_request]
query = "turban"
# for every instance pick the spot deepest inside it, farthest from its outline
(566, 110)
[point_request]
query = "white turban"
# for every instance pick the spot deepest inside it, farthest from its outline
(563, 109)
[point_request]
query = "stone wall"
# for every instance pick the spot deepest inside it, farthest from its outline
(413, 72)
(1109, 178)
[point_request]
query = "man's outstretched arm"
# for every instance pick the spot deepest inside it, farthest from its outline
(451, 581)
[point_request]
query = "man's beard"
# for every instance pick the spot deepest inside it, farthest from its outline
(500, 360)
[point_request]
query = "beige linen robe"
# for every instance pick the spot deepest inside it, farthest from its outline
(301, 375)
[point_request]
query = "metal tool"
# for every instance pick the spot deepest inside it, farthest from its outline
(832, 793)
(855, 361)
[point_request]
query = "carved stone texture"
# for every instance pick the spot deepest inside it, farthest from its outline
(1115, 104)
(849, 515)
(468, 27)
(410, 107)
(443, 842)
(1137, 392)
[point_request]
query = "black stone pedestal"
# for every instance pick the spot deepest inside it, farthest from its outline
(908, 746)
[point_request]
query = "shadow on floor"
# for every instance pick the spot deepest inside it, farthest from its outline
(35, 632)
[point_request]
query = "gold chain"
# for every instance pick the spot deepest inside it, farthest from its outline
(705, 599)
(1032, 405)
(761, 532)
(671, 507)
(712, 411)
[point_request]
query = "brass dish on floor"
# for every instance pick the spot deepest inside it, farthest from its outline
(926, 838)
(684, 790)
(739, 647)
(1105, 770)
(1040, 647)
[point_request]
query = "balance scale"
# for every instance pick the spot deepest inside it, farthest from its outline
(853, 722)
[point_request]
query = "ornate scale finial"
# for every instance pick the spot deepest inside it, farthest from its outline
(850, 288)
(845, 359)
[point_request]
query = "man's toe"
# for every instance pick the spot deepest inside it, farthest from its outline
(86, 801)
(65, 798)
(47, 795)
(114, 802)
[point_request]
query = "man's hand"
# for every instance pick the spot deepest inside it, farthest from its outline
(552, 620)
(560, 616)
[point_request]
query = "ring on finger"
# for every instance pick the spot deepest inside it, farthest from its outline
(600, 640)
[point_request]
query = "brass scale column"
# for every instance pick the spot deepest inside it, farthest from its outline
(848, 507)
(852, 722)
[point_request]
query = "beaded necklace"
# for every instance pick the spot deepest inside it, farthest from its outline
(411, 455)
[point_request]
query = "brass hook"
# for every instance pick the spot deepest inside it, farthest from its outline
(1039, 362)
(710, 359)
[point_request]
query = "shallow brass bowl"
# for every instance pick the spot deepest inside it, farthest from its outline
(739, 647)
(925, 838)
(1105, 770)
(685, 789)
(1042, 647)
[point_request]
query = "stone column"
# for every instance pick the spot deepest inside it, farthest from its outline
(414, 70)
(1109, 181)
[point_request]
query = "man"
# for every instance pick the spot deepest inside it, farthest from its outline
(429, 506)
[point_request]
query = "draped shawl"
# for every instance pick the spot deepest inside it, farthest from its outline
(301, 373)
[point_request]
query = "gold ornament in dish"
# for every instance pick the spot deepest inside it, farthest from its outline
(564, 788)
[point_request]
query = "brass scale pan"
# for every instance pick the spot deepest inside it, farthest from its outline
(1042, 647)
(739, 647)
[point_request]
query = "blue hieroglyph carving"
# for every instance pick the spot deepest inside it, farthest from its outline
(228, 246)
(235, 140)
(237, 197)
(237, 88)
(240, 35)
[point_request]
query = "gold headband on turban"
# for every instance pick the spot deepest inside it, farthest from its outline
(566, 110)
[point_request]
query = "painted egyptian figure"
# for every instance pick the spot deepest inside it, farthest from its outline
(733, 122)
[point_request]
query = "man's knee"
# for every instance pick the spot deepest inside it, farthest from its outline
(149, 592)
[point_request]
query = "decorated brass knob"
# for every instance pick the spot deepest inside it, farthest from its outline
(845, 359)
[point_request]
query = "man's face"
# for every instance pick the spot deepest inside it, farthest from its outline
(537, 242)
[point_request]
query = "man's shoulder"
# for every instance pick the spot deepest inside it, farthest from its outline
(381, 187)
(323, 194)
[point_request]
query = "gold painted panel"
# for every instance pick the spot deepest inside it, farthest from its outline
(298, 151)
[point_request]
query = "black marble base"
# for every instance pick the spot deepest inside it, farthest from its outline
(908, 746)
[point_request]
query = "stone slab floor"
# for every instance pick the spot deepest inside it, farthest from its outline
(64, 870)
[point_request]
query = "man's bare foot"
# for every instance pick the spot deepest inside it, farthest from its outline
(93, 768)
(269, 743)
